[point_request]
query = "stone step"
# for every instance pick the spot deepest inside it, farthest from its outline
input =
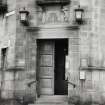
(52, 100)
(57, 99)
(64, 103)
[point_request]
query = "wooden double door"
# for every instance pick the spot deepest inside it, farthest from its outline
(51, 67)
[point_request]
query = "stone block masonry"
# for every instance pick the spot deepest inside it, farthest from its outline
(85, 44)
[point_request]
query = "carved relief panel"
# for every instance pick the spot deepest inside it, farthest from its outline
(53, 14)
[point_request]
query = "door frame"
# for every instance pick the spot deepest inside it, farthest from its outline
(53, 40)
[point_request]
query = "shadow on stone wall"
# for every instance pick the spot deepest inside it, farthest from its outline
(17, 101)
(87, 99)
(78, 100)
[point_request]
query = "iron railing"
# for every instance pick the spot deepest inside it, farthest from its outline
(73, 84)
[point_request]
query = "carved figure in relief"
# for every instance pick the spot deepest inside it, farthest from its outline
(65, 13)
(43, 17)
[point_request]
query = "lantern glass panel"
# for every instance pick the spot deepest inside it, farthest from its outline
(78, 14)
(23, 17)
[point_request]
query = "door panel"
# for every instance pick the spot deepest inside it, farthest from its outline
(46, 67)
(46, 72)
(46, 47)
(46, 60)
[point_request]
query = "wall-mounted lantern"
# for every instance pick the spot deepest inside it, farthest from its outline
(79, 15)
(24, 16)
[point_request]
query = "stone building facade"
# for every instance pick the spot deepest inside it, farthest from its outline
(31, 55)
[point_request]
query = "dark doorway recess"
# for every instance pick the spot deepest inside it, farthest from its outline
(61, 50)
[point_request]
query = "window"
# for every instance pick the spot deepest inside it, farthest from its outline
(4, 57)
(3, 6)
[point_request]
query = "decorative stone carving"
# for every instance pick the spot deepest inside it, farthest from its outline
(53, 15)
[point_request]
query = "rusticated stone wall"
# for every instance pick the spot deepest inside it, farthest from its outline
(91, 48)
(86, 47)
(7, 40)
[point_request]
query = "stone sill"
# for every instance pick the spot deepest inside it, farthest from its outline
(92, 68)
